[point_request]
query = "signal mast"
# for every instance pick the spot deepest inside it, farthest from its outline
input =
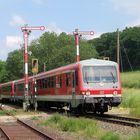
(78, 34)
(26, 32)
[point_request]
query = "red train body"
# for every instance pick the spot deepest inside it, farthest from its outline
(85, 86)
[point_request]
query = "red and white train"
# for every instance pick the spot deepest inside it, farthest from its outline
(88, 85)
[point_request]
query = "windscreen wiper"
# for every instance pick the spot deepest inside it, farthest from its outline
(113, 77)
(86, 78)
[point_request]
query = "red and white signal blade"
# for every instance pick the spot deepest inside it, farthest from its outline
(84, 32)
(42, 28)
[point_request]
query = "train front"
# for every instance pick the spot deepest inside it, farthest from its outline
(101, 85)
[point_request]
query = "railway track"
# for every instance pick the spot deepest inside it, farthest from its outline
(20, 130)
(122, 120)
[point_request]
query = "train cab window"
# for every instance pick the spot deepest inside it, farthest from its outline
(96, 74)
(67, 79)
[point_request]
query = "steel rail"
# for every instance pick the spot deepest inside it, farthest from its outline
(21, 123)
(127, 121)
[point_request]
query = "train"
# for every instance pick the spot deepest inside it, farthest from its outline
(91, 85)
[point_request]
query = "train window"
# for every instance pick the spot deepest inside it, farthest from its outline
(99, 74)
(60, 80)
(54, 81)
(7, 89)
(42, 83)
(14, 87)
(76, 78)
(29, 86)
(46, 84)
(20, 87)
(67, 79)
(73, 79)
(38, 84)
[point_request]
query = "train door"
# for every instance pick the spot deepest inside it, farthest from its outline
(13, 92)
(73, 101)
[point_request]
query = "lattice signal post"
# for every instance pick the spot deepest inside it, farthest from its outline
(78, 34)
(26, 32)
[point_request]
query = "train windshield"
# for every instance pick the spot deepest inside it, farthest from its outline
(95, 74)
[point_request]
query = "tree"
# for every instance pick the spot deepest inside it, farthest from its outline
(14, 65)
(3, 72)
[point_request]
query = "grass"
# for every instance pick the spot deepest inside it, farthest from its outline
(110, 136)
(131, 79)
(137, 136)
(34, 118)
(84, 128)
(2, 113)
(131, 92)
(131, 99)
(80, 126)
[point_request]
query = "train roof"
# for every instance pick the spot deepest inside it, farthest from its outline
(88, 62)
(93, 61)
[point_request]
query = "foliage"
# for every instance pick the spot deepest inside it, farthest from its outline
(110, 136)
(2, 113)
(58, 50)
(106, 46)
(131, 99)
(14, 65)
(137, 136)
(135, 79)
(83, 126)
(3, 74)
(34, 118)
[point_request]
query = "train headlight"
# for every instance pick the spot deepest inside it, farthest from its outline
(88, 93)
(83, 93)
(115, 93)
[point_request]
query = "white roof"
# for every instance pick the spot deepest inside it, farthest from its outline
(97, 62)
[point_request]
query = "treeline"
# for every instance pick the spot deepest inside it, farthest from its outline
(50, 49)
(129, 47)
(55, 50)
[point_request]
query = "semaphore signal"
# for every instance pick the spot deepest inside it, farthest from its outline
(26, 32)
(78, 34)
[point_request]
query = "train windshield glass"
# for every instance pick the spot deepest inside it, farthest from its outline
(95, 74)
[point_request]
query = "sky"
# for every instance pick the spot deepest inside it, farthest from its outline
(59, 16)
